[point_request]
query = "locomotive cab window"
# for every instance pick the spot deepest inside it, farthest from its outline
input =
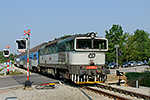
(88, 44)
(83, 44)
(100, 44)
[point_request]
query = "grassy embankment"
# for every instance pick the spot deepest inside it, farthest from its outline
(15, 72)
(143, 78)
(2, 69)
(130, 78)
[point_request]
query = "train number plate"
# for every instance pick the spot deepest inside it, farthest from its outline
(91, 67)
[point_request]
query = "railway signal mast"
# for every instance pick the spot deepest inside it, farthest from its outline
(23, 46)
(6, 53)
(117, 46)
(27, 82)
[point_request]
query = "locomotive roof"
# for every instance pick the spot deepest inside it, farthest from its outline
(54, 42)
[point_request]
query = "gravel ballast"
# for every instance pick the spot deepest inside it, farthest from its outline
(60, 92)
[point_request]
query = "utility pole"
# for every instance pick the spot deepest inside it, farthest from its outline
(27, 82)
(117, 46)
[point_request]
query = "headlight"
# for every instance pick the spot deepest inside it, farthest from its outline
(92, 35)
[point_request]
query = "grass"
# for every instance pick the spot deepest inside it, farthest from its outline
(143, 78)
(16, 72)
(3, 68)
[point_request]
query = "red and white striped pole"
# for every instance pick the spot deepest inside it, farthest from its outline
(27, 82)
(28, 69)
(8, 65)
(7, 47)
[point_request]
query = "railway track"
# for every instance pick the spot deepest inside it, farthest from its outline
(122, 91)
(113, 93)
(100, 89)
(110, 95)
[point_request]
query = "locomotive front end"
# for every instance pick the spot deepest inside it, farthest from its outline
(88, 59)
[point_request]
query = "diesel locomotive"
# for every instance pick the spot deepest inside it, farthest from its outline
(80, 58)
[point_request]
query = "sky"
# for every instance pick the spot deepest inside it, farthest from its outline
(49, 19)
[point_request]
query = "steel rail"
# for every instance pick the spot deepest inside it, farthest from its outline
(110, 95)
(126, 92)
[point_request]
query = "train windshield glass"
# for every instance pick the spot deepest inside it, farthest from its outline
(99, 44)
(90, 44)
(83, 44)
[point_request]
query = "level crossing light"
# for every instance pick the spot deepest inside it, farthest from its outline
(6, 52)
(21, 45)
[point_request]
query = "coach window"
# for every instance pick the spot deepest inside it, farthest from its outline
(30, 57)
(35, 56)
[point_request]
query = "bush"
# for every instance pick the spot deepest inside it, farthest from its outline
(146, 79)
(143, 78)
(149, 63)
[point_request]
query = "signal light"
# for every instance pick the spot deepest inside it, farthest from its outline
(21, 45)
(6, 52)
(118, 73)
(119, 52)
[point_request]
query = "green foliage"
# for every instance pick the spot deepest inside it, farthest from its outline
(149, 63)
(143, 78)
(135, 47)
(133, 76)
(3, 68)
(16, 72)
(4, 59)
(114, 36)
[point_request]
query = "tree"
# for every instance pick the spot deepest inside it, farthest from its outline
(114, 36)
(4, 59)
(142, 44)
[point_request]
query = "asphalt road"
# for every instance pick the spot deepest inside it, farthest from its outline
(11, 81)
(16, 80)
(130, 69)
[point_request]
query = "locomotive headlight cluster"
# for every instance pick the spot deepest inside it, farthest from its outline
(92, 35)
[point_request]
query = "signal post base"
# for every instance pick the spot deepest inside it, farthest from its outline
(7, 73)
(27, 84)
